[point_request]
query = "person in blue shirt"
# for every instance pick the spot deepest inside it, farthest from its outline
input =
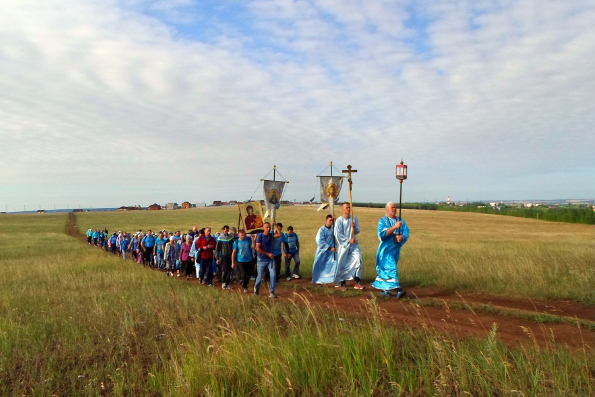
(147, 243)
(101, 239)
(279, 241)
(393, 233)
(95, 237)
(112, 241)
(105, 240)
(242, 258)
(264, 259)
(293, 245)
(89, 235)
(134, 243)
(159, 250)
(124, 243)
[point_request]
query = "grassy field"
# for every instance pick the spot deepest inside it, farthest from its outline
(75, 321)
(454, 251)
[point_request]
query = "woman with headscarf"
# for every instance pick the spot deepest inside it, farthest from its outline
(171, 255)
(185, 260)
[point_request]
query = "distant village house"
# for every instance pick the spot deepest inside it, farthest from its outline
(171, 206)
(154, 207)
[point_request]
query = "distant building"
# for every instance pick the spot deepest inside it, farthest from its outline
(155, 207)
(217, 203)
(171, 206)
(186, 205)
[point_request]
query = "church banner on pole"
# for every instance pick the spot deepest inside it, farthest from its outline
(330, 188)
(273, 191)
(251, 218)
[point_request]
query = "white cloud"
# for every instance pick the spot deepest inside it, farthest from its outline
(97, 92)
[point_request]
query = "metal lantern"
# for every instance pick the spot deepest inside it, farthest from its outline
(401, 172)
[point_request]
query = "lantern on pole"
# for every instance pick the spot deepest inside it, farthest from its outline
(401, 176)
(401, 172)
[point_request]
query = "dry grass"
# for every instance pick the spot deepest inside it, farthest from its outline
(75, 321)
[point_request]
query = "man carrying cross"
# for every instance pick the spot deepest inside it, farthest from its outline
(349, 254)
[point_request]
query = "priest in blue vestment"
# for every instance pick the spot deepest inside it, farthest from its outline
(392, 233)
(325, 262)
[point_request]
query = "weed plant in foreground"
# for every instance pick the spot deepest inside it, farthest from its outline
(75, 321)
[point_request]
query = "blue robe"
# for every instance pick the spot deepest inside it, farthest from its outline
(349, 256)
(388, 252)
(325, 264)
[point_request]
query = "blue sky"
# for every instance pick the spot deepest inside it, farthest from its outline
(108, 103)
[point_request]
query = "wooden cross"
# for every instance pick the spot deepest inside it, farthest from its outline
(349, 171)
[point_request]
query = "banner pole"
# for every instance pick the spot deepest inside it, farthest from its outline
(332, 205)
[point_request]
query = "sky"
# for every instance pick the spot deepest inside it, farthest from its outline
(108, 103)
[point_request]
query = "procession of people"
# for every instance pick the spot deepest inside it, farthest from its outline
(237, 257)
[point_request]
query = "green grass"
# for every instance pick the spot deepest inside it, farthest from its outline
(74, 321)
(462, 252)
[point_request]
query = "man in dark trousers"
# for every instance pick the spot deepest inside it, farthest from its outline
(223, 253)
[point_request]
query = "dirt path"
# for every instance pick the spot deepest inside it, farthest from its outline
(465, 314)
(514, 326)
(447, 312)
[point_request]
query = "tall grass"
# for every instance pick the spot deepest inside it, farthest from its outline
(454, 251)
(75, 321)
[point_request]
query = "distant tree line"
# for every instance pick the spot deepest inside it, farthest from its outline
(569, 214)
(407, 206)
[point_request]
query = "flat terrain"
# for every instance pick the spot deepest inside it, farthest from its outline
(495, 305)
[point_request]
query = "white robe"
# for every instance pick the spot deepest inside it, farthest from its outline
(349, 256)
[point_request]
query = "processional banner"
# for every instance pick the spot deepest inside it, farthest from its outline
(273, 191)
(251, 216)
(330, 187)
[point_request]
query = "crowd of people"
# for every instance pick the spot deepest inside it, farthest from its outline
(230, 255)
(233, 256)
